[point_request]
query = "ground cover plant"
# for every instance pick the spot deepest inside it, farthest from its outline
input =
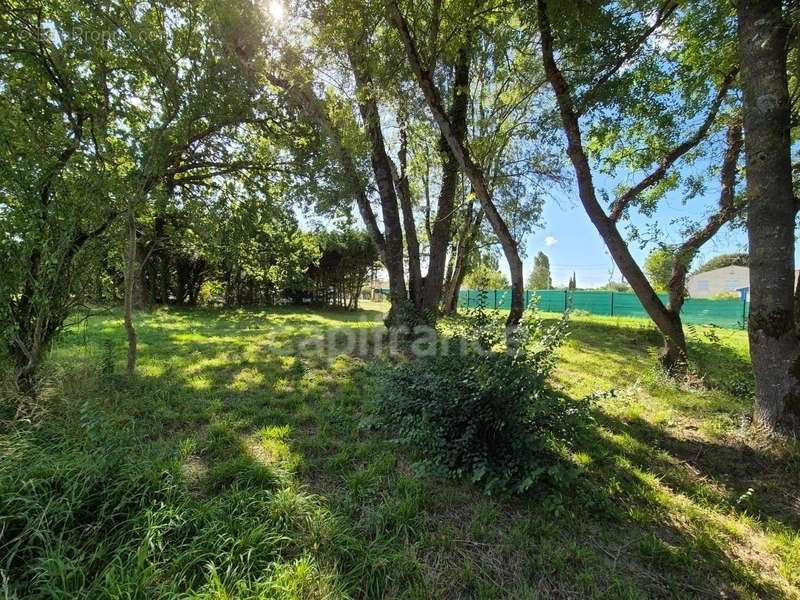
(479, 405)
(237, 464)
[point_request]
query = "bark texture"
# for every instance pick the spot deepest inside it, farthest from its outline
(774, 342)
(466, 163)
(465, 246)
(381, 167)
(441, 231)
(407, 208)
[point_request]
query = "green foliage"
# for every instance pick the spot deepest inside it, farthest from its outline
(108, 357)
(738, 259)
(658, 267)
(481, 408)
(618, 286)
(540, 278)
(106, 108)
(484, 277)
(347, 256)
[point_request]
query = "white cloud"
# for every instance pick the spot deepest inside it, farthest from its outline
(550, 241)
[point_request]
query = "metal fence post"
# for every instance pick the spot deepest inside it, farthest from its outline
(565, 300)
(612, 303)
(467, 297)
(495, 299)
(744, 312)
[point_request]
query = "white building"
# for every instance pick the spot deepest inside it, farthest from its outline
(724, 280)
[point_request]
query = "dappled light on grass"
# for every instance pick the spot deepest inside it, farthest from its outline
(248, 473)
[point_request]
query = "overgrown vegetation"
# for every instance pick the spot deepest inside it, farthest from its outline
(479, 405)
(164, 153)
(234, 465)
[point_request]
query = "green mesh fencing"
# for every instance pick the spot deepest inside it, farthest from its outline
(699, 311)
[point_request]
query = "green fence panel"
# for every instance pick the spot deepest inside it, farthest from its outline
(550, 300)
(723, 313)
(698, 311)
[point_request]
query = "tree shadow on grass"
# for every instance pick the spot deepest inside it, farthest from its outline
(291, 314)
(267, 420)
(720, 474)
(714, 362)
(677, 505)
(356, 472)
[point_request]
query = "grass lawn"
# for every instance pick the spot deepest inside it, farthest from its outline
(235, 466)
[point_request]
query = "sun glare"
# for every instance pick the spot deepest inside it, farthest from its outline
(276, 9)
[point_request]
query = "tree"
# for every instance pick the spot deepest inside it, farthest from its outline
(664, 154)
(540, 278)
(465, 158)
(738, 259)
(464, 248)
(346, 259)
(658, 266)
(124, 109)
(573, 282)
(772, 324)
(485, 277)
(58, 198)
(352, 33)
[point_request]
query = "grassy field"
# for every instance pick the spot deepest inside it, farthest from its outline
(238, 463)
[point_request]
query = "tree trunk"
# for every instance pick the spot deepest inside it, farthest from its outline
(130, 285)
(393, 232)
(465, 247)
(407, 207)
(453, 289)
(468, 166)
(669, 324)
(774, 342)
(442, 226)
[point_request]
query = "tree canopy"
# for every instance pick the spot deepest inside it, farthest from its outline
(166, 152)
(540, 278)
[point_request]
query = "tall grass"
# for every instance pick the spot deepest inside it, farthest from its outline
(89, 511)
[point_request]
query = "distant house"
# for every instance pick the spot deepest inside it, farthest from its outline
(720, 281)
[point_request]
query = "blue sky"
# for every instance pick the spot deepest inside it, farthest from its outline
(575, 245)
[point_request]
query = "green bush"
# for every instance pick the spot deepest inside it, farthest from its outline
(481, 407)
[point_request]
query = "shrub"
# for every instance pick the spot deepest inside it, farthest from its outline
(481, 407)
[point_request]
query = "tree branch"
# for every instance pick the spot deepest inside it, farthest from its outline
(622, 202)
(729, 208)
(305, 98)
(664, 12)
